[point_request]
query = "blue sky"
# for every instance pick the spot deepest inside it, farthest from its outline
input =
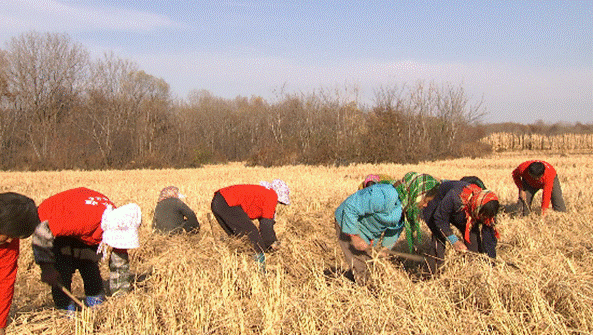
(527, 60)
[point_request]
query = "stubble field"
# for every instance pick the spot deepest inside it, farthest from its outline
(209, 284)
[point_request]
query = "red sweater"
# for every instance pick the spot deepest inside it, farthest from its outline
(546, 182)
(257, 201)
(76, 213)
(9, 255)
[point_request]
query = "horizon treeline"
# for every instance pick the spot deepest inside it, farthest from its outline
(60, 109)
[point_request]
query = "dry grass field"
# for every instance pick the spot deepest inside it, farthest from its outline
(208, 284)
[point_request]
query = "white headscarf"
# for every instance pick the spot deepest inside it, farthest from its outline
(120, 227)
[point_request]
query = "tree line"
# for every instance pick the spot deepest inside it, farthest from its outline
(60, 109)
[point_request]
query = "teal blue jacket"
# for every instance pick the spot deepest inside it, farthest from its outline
(370, 212)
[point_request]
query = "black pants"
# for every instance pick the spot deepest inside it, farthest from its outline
(481, 241)
(557, 199)
(236, 222)
(72, 255)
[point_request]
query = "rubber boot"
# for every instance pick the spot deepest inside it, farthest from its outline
(260, 258)
(94, 300)
(71, 310)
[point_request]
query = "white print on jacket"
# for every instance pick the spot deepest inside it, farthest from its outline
(94, 201)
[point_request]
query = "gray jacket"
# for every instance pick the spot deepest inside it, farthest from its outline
(172, 215)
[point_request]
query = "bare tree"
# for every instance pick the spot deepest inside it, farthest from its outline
(421, 122)
(8, 117)
(66, 111)
(456, 114)
(46, 72)
(150, 103)
(106, 118)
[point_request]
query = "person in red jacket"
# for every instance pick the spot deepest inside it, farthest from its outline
(534, 175)
(235, 206)
(18, 219)
(76, 227)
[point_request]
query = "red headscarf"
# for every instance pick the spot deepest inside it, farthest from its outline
(473, 199)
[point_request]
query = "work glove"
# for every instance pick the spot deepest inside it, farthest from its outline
(460, 246)
(50, 275)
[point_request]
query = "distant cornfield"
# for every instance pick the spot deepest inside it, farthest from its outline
(511, 141)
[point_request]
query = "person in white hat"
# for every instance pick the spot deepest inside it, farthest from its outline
(235, 206)
(74, 224)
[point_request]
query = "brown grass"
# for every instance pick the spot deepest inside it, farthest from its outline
(208, 284)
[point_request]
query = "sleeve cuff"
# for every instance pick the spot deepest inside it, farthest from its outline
(452, 239)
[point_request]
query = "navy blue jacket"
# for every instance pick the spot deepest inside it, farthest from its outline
(445, 210)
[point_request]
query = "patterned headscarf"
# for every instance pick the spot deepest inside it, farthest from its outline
(473, 199)
(281, 189)
(411, 190)
(170, 192)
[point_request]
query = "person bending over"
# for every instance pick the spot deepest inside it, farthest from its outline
(471, 210)
(235, 206)
(530, 177)
(172, 215)
(18, 220)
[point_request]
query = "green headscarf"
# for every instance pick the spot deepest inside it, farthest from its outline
(411, 189)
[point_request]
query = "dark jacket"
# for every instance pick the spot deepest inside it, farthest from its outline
(445, 210)
(172, 215)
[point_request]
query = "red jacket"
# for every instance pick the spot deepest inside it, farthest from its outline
(76, 213)
(257, 201)
(546, 182)
(9, 255)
